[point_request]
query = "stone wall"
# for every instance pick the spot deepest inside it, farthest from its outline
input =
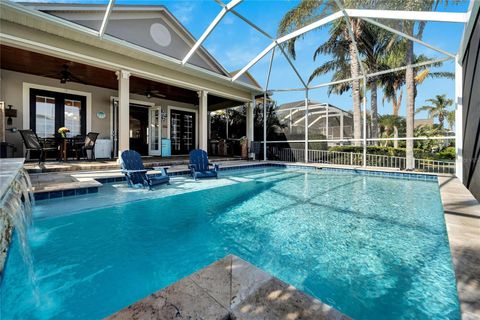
(10, 199)
(6, 229)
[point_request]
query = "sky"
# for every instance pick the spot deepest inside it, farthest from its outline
(234, 43)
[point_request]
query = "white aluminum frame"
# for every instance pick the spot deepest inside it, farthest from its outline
(210, 28)
(367, 15)
(106, 18)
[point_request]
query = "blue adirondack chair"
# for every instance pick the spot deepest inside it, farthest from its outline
(136, 174)
(200, 167)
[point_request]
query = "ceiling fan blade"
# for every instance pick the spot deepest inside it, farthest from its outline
(76, 79)
(158, 95)
(50, 75)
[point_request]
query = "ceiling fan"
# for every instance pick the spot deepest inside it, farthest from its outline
(65, 75)
(149, 93)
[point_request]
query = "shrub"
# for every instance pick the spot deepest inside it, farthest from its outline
(447, 153)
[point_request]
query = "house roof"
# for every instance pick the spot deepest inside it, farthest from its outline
(247, 78)
(311, 104)
(152, 27)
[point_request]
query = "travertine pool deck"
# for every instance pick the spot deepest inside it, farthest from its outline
(230, 288)
(462, 217)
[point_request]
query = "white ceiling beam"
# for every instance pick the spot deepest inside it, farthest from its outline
(254, 60)
(106, 18)
(416, 65)
(287, 37)
(267, 82)
(352, 37)
(455, 17)
(293, 66)
(310, 27)
(403, 34)
(271, 38)
(210, 28)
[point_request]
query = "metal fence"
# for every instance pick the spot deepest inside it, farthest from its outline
(356, 159)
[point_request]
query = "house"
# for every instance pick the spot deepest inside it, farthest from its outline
(133, 77)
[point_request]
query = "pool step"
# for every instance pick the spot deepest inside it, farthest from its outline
(230, 288)
(65, 189)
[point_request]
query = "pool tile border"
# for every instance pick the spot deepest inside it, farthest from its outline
(39, 196)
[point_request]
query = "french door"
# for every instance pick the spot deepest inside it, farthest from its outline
(182, 131)
(51, 110)
(154, 132)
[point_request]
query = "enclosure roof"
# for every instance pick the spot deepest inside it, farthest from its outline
(390, 15)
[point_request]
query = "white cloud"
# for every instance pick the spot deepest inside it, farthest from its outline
(183, 11)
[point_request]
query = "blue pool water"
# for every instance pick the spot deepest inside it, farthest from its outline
(372, 247)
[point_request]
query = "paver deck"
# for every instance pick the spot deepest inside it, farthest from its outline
(462, 216)
(230, 288)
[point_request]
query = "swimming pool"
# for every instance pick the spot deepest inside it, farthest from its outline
(372, 247)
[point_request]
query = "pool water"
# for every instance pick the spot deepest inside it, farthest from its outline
(372, 247)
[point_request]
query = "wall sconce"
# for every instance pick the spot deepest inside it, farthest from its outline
(9, 114)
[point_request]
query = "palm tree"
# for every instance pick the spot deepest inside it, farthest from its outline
(390, 124)
(393, 82)
(438, 108)
(374, 42)
(451, 120)
(340, 44)
(413, 28)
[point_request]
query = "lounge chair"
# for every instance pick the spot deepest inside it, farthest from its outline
(136, 174)
(200, 167)
(32, 142)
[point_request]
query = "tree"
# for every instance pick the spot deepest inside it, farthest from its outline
(451, 120)
(438, 108)
(393, 82)
(413, 28)
(339, 44)
(389, 126)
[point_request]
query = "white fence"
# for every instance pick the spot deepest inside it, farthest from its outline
(356, 159)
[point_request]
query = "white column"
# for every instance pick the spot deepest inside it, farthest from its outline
(459, 120)
(250, 116)
(123, 77)
(306, 125)
(203, 118)
(341, 126)
(209, 121)
(364, 122)
(326, 124)
(227, 122)
(265, 123)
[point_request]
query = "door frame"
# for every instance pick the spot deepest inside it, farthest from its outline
(26, 86)
(169, 108)
(140, 103)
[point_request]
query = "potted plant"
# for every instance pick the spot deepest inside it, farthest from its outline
(63, 131)
(244, 146)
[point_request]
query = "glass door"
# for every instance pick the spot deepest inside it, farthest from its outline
(182, 131)
(154, 132)
(115, 128)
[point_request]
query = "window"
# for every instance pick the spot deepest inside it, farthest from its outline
(45, 116)
(51, 110)
(73, 117)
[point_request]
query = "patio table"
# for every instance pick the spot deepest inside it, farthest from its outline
(63, 144)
